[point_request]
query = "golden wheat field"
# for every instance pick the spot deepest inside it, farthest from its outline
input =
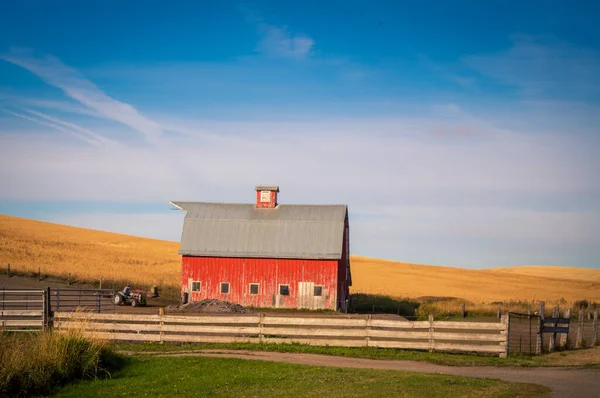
(89, 255)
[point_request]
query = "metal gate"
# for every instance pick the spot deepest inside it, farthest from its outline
(22, 310)
(89, 300)
(524, 334)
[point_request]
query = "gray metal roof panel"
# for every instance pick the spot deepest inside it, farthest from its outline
(242, 230)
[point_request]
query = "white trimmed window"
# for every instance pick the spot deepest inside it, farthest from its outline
(284, 290)
(225, 287)
(196, 286)
(318, 291)
(254, 288)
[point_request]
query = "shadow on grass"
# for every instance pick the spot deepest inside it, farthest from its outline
(362, 303)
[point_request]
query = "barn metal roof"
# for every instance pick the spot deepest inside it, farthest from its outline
(242, 230)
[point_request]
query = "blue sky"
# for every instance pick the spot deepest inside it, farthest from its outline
(461, 134)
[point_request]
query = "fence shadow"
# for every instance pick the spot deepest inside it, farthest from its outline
(361, 303)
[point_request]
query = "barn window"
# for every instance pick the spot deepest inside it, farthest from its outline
(196, 286)
(318, 291)
(254, 288)
(284, 290)
(225, 287)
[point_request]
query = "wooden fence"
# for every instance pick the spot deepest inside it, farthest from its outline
(481, 337)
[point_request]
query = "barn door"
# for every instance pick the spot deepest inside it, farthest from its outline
(305, 294)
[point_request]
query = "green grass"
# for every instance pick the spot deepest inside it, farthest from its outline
(35, 363)
(228, 377)
(355, 352)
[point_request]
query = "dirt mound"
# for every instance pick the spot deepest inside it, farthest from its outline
(207, 306)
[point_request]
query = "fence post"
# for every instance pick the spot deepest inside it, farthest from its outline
(48, 308)
(9, 270)
(261, 327)
(431, 329)
(528, 308)
(367, 329)
(579, 341)
(562, 343)
(69, 279)
(464, 310)
(589, 315)
(540, 341)
(100, 283)
(552, 342)
(39, 274)
(498, 312)
(506, 332)
(596, 337)
(161, 313)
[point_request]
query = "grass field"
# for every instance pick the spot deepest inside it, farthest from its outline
(216, 377)
(89, 255)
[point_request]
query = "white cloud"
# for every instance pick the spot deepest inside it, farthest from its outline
(73, 84)
(278, 42)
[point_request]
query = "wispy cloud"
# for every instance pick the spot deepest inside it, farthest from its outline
(543, 67)
(279, 42)
(96, 137)
(72, 83)
(90, 141)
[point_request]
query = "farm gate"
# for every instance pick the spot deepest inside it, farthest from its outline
(524, 335)
(31, 309)
(22, 309)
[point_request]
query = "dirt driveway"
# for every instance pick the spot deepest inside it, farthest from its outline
(564, 382)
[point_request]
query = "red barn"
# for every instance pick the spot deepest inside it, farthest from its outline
(266, 254)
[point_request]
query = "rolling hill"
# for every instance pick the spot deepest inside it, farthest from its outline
(90, 254)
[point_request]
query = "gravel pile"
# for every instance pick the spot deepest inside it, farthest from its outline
(207, 306)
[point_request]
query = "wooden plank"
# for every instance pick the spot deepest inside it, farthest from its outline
(469, 336)
(560, 321)
(493, 348)
(468, 325)
(157, 328)
(314, 332)
(4, 313)
(317, 342)
(19, 322)
(300, 321)
(209, 339)
(212, 319)
(158, 318)
(398, 334)
(124, 336)
(399, 324)
(29, 301)
(409, 345)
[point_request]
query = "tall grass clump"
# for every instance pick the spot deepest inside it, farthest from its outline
(33, 364)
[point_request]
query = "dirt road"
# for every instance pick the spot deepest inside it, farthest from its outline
(564, 382)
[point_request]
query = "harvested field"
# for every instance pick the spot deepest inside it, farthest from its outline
(89, 255)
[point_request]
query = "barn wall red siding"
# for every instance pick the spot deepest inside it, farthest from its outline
(268, 273)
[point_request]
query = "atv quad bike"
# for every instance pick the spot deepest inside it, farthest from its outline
(135, 298)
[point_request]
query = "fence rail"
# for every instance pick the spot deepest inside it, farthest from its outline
(367, 332)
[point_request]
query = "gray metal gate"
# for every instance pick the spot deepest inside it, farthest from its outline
(22, 310)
